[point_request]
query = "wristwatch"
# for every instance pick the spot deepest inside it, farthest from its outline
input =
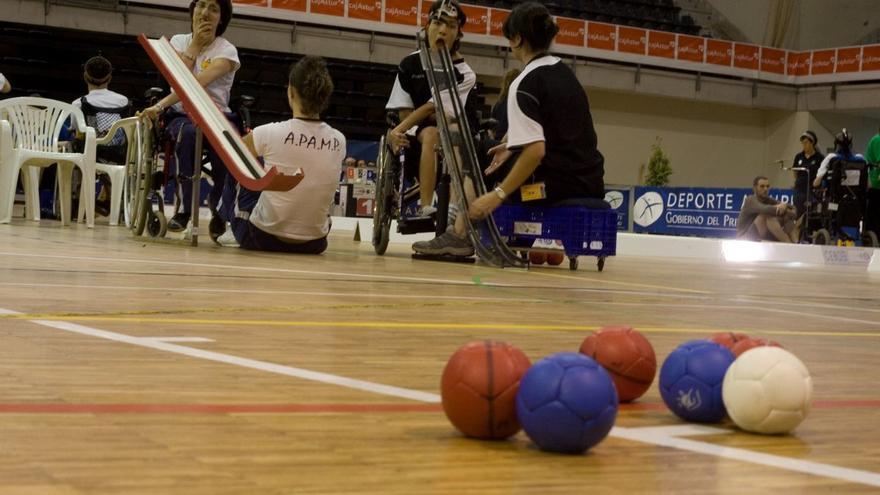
(500, 193)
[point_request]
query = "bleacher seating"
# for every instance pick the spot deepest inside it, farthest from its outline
(649, 14)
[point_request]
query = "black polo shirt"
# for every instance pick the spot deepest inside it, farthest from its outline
(411, 89)
(547, 103)
(812, 164)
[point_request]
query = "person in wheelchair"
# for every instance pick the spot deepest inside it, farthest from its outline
(842, 151)
(102, 107)
(214, 61)
(411, 96)
(844, 175)
(549, 126)
(295, 221)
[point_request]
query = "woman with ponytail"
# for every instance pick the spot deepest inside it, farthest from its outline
(298, 220)
(550, 125)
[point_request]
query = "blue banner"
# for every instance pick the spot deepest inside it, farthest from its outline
(693, 211)
(619, 199)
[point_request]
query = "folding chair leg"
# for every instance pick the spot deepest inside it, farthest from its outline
(30, 180)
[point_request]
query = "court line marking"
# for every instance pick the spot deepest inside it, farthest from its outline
(631, 284)
(820, 316)
(424, 325)
(66, 408)
(785, 463)
(317, 408)
(479, 298)
(340, 274)
(284, 292)
(746, 302)
(316, 376)
(179, 339)
(246, 268)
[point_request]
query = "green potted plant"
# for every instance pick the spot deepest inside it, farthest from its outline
(658, 166)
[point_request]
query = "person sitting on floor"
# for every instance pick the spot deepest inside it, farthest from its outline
(295, 221)
(765, 218)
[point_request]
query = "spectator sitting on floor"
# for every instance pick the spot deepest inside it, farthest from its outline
(765, 218)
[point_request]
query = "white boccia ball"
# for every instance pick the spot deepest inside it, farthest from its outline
(767, 390)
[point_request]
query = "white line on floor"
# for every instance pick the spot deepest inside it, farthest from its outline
(662, 436)
(750, 456)
(178, 339)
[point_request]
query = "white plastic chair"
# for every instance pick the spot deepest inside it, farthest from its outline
(116, 171)
(29, 134)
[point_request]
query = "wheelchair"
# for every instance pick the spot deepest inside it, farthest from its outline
(148, 175)
(397, 190)
(840, 207)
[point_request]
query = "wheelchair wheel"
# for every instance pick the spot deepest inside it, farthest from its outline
(869, 239)
(157, 224)
(822, 237)
(138, 180)
(384, 201)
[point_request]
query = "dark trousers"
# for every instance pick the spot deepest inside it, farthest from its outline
(182, 132)
(872, 211)
(249, 236)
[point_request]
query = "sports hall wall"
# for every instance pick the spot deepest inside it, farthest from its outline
(814, 24)
(717, 131)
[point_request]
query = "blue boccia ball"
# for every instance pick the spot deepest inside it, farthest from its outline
(566, 403)
(691, 378)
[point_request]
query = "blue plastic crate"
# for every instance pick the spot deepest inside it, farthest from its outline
(583, 231)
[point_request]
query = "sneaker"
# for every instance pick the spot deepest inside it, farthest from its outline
(447, 243)
(227, 239)
(426, 212)
(217, 227)
(178, 222)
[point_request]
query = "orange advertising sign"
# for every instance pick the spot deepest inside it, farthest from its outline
(661, 44)
(496, 21)
(328, 7)
(772, 60)
(477, 19)
(746, 56)
(297, 5)
(871, 58)
(796, 64)
(691, 48)
(848, 60)
(402, 12)
(823, 62)
(258, 3)
(423, 12)
(571, 31)
(370, 10)
(719, 52)
(632, 40)
(601, 36)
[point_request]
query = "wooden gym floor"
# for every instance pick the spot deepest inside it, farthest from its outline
(131, 367)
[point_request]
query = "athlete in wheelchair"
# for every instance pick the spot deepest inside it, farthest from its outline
(842, 180)
(166, 152)
(213, 61)
(409, 164)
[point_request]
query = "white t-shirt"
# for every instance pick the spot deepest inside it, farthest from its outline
(2, 81)
(302, 213)
(826, 163)
(220, 48)
(103, 98)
